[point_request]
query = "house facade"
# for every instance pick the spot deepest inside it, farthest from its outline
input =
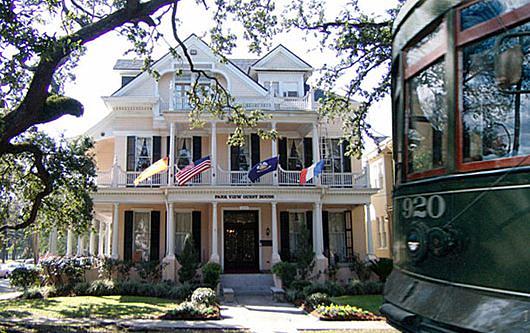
(245, 227)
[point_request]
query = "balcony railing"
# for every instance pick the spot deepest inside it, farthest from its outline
(116, 177)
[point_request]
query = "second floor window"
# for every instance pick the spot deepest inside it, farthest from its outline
(144, 153)
(295, 154)
(181, 95)
(332, 152)
(183, 155)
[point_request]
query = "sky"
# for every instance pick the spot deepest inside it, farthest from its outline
(96, 78)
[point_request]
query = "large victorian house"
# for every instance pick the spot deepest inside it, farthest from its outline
(243, 226)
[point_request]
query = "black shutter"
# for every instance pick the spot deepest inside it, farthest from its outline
(128, 236)
(197, 148)
(285, 253)
(168, 139)
(325, 231)
(157, 148)
(131, 150)
(154, 253)
(309, 224)
(308, 152)
(346, 160)
(234, 158)
(282, 150)
(349, 234)
(254, 145)
(196, 233)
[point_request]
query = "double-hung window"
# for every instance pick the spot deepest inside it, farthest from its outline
(183, 154)
(183, 229)
(337, 236)
(332, 153)
(295, 154)
(144, 153)
(297, 225)
(141, 236)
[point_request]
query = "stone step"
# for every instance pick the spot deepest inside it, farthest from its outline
(248, 284)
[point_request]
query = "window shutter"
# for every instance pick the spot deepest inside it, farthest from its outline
(325, 231)
(308, 152)
(346, 160)
(154, 251)
(234, 158)
(285, 253)
(196, 232)
(157, 148)
(128, 236)
(197, 148)
(168, 138)
(349, 234)
(131, 150)
(282, 150)
(255, 153)
(309, 224)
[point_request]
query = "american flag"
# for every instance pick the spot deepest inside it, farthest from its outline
(192, 170)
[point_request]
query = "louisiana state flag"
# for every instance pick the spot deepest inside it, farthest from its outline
(263, 168)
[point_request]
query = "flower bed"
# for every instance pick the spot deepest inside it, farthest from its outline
(192, 311)
(343, 312)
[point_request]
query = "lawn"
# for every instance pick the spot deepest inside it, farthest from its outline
(116, 307)
(371, 303)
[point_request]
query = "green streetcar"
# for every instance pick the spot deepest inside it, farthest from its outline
(461, 116)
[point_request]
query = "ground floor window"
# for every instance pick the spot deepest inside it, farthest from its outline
(183, 229)
(381, 230)
(141, 236)
(338, 236)
(297, 223)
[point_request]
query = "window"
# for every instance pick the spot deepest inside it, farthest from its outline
(243, 158)
(426, 120)
(144, 153)
(381, 231)
(337, 236)
(183, 154)
(141, 236)
(273, 87)
(486, 10)
(333, 155)
(181, 96)
(183, 229)
(297, 224)
(496, 106)
(295, 154)
(290, 89)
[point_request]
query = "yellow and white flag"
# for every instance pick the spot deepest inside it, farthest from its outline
(157, 167)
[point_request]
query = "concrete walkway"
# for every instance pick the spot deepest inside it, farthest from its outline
(6, 291)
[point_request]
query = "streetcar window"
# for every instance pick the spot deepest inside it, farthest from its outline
(496, 109)
(486, 10)
(433, 43)
(426, 122)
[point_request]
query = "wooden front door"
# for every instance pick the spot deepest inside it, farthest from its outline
(241, 238)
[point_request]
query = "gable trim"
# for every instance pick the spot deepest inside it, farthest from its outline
(288, 52)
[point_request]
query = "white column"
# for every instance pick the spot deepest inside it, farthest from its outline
(101, 238)
(318, 233)
(172, 95)
(70, 243)
(275, 255)
(115, 172)
(92, 242)
(369, 239)
(170, 227)
(108, 239)
(171, 173)
(80, 245)
(316, 147)
(52, 245)
(213, 154)
(115, 222)
(274, 149)
(215, 251)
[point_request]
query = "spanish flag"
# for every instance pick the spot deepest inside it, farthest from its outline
(157, 167)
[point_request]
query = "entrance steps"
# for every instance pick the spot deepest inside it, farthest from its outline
(248, 284)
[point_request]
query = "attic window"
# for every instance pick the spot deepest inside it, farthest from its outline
(193, 52)
(126, 79)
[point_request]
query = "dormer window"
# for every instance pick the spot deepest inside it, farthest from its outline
(183, 85)
(273, 87)
(290, 89)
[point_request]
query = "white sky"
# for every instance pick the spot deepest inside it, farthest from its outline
(95, 77)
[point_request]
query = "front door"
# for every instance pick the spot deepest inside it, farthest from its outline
(241, 252)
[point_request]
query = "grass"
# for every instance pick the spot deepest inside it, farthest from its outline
(116, 307)
(366, 302)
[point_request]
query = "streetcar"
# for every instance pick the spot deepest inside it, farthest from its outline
(461, 203)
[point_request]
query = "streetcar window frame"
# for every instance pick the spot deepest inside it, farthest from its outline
(464, 38)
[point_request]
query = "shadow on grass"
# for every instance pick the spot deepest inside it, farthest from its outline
(114, 311)
(14, 314)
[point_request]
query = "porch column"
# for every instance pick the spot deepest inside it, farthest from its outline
(108, 239)
(171, 173)
(115, 172)
(275, 255)
(92, 241)
(274, 153)
(215, 250)
(213, 154)
(316, 148)
(69, 243)
(101, 238)
(369, 239)
(52, 245)
(321, 262)
(115, 222)
(80, 245)
(170, 227)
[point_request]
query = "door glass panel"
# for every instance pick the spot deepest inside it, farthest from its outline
(337, 237)
(183, 229)
(141, 234)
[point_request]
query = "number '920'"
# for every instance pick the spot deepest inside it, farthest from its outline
(423, 207)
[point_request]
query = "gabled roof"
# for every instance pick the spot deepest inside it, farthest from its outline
(298, 62)
(243, 64)
(128, 64)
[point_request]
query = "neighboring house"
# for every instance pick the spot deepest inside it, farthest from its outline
(242, 226)
(381, 172)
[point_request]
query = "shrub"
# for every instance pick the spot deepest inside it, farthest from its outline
(300, 284)
(316, 299)
(149, 270)
(24, 277)
(81, 288)
(286, 271)
(102, 288)
(181, 292)
(357, 287)
(343, 312)
(39, 292)
(191, 310)
(304, 255)
(211, 273)
(188, 260)
(382, 267)
(360, 268)
(329, 287)
(205, 296)
(61, 271)
(293, 295)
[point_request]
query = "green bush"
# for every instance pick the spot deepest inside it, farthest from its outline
(191, 310)
(24, 277)
(300, 284)
(211, 273)
(150, 271)
(188, 261)
(316, 299)
(357, 287)
(361, 268)
(81, 288)
(181, 292)
(102, 288)
(293, 295)
(62, 272)
(205, 296)
(382, 267)
(286, 271)
(329, 287)
(343, 312)
(39, 292)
